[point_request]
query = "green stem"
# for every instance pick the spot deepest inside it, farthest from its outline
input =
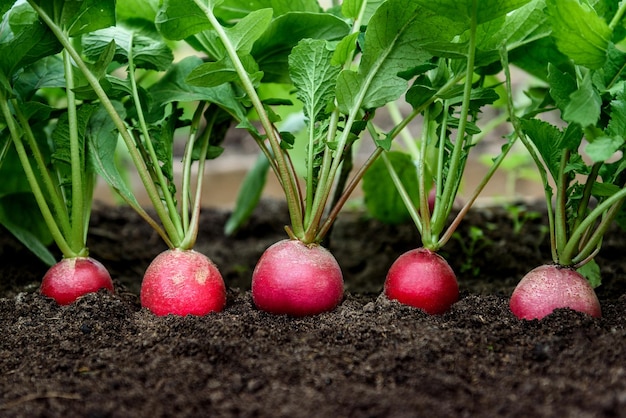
(51, 189)
(134, 154)
(407, 138)
(561, 202)
(611, 206)
(77, 233)
(47, 214)
(191, 234)
(424, 189)
(618, 15)
(404, 195)
(172, 210)
(187, 163)
(443, 207)
(584, 201)
(288, 182)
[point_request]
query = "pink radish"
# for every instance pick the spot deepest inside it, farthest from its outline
(422, 279)
(550, 287)
(74, 277)
(182, 283)
(297, 279)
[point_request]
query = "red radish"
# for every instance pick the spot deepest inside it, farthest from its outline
(182, 283)
(74, 277)
(422, 279)
(297, 279)
(550, 287)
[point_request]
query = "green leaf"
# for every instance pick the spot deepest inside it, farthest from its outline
(24, 39)
(351, 8)
(250, 28)
(603, 148)
(463, 10)
(237, 9)
(102, 139)
(173, 88)
(382, 199)
(395, 42)
(80, 16)
(21, 216)
(45, 73)
(179, 19)
(591, 272)
(249, 195)
(584, 106)
(313, 76)
(137, 9)
(617, 123)
(562, 86)
(272, 49)
(549, 141)
(579, 32)
(148, 49)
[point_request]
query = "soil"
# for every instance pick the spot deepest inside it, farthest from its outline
(105, 356)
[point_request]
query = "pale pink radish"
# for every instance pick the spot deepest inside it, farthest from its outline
(423, 279)
(297, 279)
(74, 277)
(550, 287)
(182, 283)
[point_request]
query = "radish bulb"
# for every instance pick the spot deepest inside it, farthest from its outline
(422, 279)
(297, 279)
(74, 277)
(182, 283)
(550, 287)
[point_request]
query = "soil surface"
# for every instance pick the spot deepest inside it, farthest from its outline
(104, 356)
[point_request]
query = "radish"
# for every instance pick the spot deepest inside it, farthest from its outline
(423, 279)
(74, 277)
(183, 283)
(297, 279)
(550, 287)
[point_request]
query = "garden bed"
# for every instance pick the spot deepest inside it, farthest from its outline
(105, 356)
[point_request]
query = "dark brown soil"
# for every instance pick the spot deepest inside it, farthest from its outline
(106, 357)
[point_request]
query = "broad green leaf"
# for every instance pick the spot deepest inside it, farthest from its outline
(249, 194)
(394, 42)
(351, 9)
(548, 141)
(21, 216)
(591, 272)
(137, 9)
(584, 106)
(464, 10)
(213, 74)
(579, 32)
(603, 148)
(272, 49)
(179, 19)
(513, 30)
(45, 73)
(102, 140)
(80, 16)
(148, 49)
(313, 76)
(382, 199)
(562, 86)
(24, 39)
(172, 87)
(248, 30)
(534, 57)
(238, 9)
(617, 123)
(61, 136)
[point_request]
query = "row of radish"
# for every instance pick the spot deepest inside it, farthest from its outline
(78, 76)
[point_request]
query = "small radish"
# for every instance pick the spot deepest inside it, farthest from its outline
(182, 283)
(550, 287)
(297, 279)
(422, 279)
(74, 277)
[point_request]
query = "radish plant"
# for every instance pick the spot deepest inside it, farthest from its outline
(580, 157)
(448, 92)
(146, 112)
(50, 139)
(343, 64)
